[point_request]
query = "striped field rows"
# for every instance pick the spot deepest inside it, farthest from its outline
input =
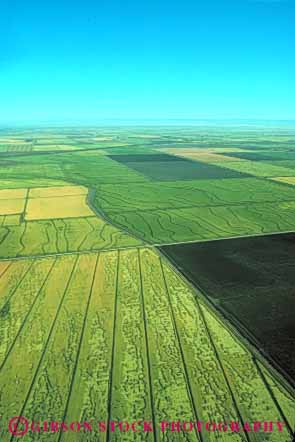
(120, 336)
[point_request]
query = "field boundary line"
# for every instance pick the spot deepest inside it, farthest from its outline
(6, 268)
(274, 399)
(203, 206)
(76, 252)
(109, 401)
(221, 366)
(254, 235)
(141, 246)
(147, 349)
(18, 284)
(23, 214)
(186, 375)
(233, 328)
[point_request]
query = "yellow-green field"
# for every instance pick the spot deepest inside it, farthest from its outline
(285, 179)
(46, 192)
(120, 335)
(57, 207)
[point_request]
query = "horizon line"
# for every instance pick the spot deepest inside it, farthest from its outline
(136, 121)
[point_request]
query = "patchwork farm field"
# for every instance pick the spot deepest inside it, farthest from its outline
(167, 167)
(117, 302)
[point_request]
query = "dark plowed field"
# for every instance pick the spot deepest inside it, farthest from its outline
(142, 158)
(162, 167)
(252, 281)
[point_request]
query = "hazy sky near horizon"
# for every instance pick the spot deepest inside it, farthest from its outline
(88, 60)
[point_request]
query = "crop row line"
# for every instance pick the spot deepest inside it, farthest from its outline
(47, 341)
(269, 389)
(143, 246)
(75, 252)
(18, 284)
(109, 404)
(245, 342)
(221, 365)
(28, 313)
(147, 348)
(186, 375)
(79, 345)
(205, 206)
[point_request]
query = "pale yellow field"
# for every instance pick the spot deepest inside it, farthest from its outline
(188, 150)
(42, 147)
(45, 192)
(148, 136)
(8, 194)
(285, 179)
(103, 138)
(11, 206)
(56, 207)
(208, 156)
(13, 141)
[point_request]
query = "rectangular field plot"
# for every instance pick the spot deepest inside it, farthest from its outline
(17, 183)
(11, 220)
(27, 169)
(264, 156)
(251, 280)
(257, 168)
(206, 155)
(197, 193)
(201, 223)
(168, 168)
(54, 147)
(143, 158)
(61, 235)
(122, 336)
(11, 206)
(11, 194)
(45, 192)
(57, 202)
(57, 207)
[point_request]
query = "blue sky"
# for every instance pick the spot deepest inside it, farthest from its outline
(90, 60)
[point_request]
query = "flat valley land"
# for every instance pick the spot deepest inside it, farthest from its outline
(147, 273)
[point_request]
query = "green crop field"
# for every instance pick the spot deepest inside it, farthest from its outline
(96, 323)
(122, 334)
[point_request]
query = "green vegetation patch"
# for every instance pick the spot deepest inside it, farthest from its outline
(264, 156)
(180, 194)
(122, 334)
(257, 168)
(201, 223)
(135, 158)
(61, 235)
(87, 168)
(20, 183)
(168, 168)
